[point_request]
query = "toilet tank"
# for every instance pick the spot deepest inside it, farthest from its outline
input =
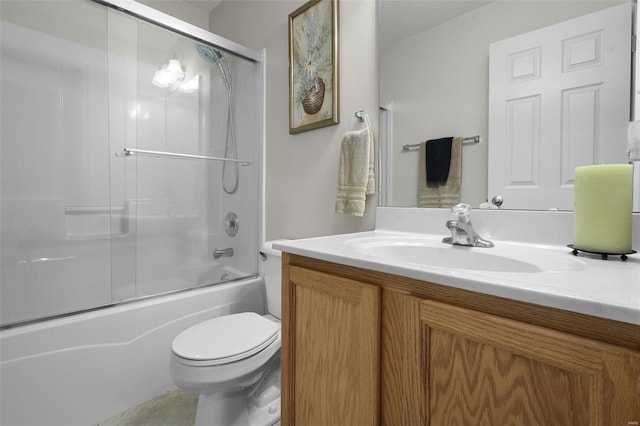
(272, 267)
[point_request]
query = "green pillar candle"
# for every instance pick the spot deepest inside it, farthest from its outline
(603, 208)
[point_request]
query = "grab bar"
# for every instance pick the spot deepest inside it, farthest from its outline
(467, 141)
(127, 152)
(45, 259)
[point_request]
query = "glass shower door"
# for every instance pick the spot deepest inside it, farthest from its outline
(88, 217)
(55, 205)
(169, 99)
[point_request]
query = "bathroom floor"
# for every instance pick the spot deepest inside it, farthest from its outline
(175, 408)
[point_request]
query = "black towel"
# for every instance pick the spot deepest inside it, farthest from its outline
(438, 160)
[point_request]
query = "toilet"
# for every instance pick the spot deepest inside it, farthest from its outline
(233, 361)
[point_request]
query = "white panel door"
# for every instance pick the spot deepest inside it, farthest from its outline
(559, 97)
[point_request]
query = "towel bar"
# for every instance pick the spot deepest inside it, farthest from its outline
(129, 151)
(466, 141)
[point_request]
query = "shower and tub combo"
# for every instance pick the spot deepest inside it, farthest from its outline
(131, 203)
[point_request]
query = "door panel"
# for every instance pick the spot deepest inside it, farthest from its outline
(332, 350)
(488, 370)
(556, 103)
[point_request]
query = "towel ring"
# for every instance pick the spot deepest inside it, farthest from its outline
(364, 117)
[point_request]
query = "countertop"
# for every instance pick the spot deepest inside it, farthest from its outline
(602, 288)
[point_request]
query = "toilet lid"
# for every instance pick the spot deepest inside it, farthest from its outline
(226, 339)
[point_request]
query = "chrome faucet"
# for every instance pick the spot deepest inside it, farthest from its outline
(218, 253)
(462, 232)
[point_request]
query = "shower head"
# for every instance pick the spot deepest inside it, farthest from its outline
(209, 53)
(214, 56)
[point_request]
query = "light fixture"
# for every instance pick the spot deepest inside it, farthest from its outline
(190, 86)
(162, 78)
(168, 74)
(175, 69)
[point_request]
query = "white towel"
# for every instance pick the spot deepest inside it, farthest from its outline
(440, 195)
(355, 177)
(428, 196)
(450, 191)
(371, 180)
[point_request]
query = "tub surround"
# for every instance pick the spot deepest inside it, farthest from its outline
(608, 289)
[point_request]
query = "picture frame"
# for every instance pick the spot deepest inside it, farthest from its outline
(313, 66)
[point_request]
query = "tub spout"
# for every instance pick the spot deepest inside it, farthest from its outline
(218, 253)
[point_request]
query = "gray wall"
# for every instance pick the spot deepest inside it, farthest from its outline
(302, 169)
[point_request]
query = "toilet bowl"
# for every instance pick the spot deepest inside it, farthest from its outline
(233, 361)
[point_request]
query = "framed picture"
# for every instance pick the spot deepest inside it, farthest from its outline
(313, 66)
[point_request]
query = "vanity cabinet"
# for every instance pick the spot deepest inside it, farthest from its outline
(475, 368)
(367, 348)
(331, 348)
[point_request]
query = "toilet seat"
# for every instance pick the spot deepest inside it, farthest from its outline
(225, 339)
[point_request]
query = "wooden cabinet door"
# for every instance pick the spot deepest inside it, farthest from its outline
(402, 376)
(486, 370)
(330, 358)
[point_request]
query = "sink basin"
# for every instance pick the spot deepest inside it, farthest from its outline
(434, 253)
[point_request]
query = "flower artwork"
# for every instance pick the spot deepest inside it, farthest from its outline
(313, 66)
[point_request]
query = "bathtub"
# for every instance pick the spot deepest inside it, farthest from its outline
(84, 368)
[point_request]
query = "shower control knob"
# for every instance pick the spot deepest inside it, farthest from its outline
(231, 224)
(497, 200)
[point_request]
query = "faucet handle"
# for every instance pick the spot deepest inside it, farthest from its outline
(463, 211)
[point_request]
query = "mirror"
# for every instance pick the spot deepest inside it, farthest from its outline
(434, 82)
